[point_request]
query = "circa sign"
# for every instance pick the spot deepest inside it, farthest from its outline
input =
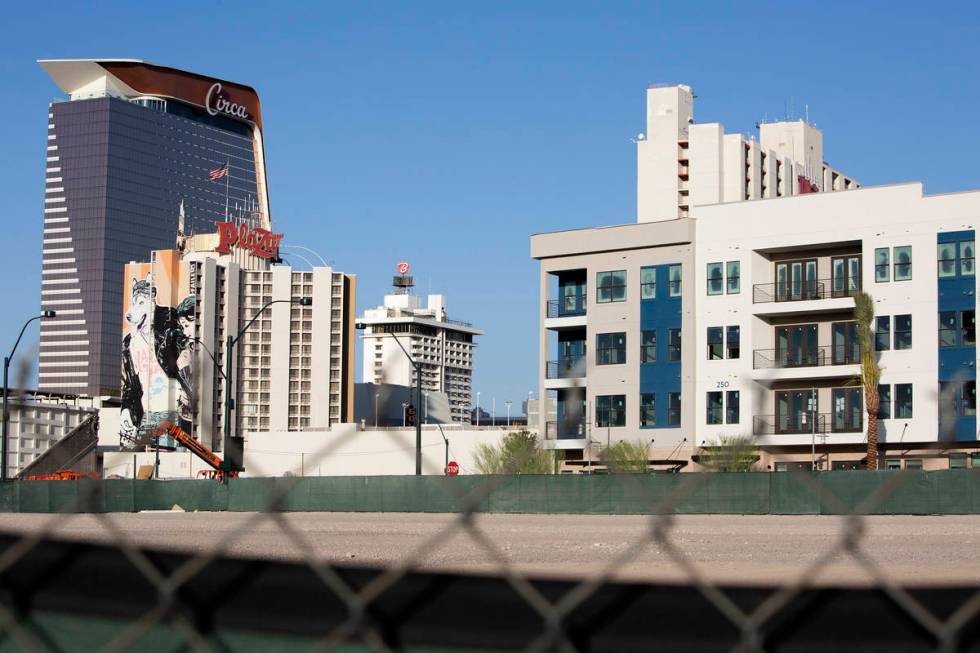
(216, 101)
(260, 242)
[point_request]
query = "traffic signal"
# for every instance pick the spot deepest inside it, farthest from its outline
(410, 415)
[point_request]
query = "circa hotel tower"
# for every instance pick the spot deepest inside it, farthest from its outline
(133, 151)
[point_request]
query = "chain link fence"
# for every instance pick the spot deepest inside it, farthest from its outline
(69, 595)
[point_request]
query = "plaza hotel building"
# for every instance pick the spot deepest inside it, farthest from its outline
(727, 309)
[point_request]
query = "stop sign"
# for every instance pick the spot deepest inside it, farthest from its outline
(452, 469)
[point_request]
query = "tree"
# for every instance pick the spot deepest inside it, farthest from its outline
(518, 453)
(864, 314)
(730, 453)
(626, 457)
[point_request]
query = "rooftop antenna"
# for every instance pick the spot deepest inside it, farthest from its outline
(806, 111)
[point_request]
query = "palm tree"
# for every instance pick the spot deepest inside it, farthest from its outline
(864, 313)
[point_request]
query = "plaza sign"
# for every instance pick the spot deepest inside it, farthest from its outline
(260, 242)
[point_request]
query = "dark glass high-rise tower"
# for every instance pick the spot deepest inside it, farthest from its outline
(132, 148)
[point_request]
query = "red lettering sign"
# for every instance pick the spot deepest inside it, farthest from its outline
(260, 242)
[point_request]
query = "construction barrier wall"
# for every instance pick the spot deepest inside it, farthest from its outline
(908, 492)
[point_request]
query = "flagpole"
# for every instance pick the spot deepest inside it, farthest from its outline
(227, 179)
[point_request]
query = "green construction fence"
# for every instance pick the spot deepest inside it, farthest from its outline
(783, 493)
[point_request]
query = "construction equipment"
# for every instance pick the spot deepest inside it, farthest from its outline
(195, 447)
(75, 452)
(65, 475)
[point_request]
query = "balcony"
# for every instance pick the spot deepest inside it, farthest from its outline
(568, 430)
(572, 367)
(565, 313)
(566, 372)
(804, 291)
(571, 306)
(765, 359)
(803, 424)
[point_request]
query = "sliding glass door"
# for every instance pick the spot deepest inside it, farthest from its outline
(796, 280)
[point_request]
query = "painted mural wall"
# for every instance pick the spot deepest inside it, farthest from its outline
(157, 348)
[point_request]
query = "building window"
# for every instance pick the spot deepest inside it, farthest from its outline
(731, 406)
(903, 400)
(884, 401)
(913, 463)
(903, 263)
(966, 258)
(673, 409)
(648, 409)
(845, 274)
(673, 345)
(847, 350)
(716, 344)
(734, 338)
(893, 464)
(946, 260)
(610, 348)
(947, 329)
(882, 266)
(968, 328)
(957, 461)
(648, 283)
(883, 335)
(610, 410)
(716, 410)
(648, 347)
(848, 407)
(903, 332)
(968, 399)
(674, 280)
(734, 277)
(611, 287)
(716, 279)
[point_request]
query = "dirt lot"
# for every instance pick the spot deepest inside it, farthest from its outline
(726, 548)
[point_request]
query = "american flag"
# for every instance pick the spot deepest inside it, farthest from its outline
(218, 173)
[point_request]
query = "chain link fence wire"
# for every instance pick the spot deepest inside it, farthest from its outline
(142, 599)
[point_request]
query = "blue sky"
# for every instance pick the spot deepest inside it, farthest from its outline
(445, 133)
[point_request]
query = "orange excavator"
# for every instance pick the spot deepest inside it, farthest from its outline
(198, 449)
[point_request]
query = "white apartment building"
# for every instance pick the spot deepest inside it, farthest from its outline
(444, 347)
(718, 316)
(681, 163)
(797, 263)
(294, 368)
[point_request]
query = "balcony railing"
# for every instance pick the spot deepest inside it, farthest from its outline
(805, 290)
(790, 358)
(803, 424)
(566, 368)
(567, 430)
(571, 306)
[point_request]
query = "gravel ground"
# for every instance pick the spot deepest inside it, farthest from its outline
(731, 549)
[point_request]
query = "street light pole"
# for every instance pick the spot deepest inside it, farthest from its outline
(6, 391)
(813, 430)
(418, 398)
(478, 409)
(228, 465)
(508, 403)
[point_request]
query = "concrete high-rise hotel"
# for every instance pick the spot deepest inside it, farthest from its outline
(130, 144)
(442, 346)
(727, 309)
